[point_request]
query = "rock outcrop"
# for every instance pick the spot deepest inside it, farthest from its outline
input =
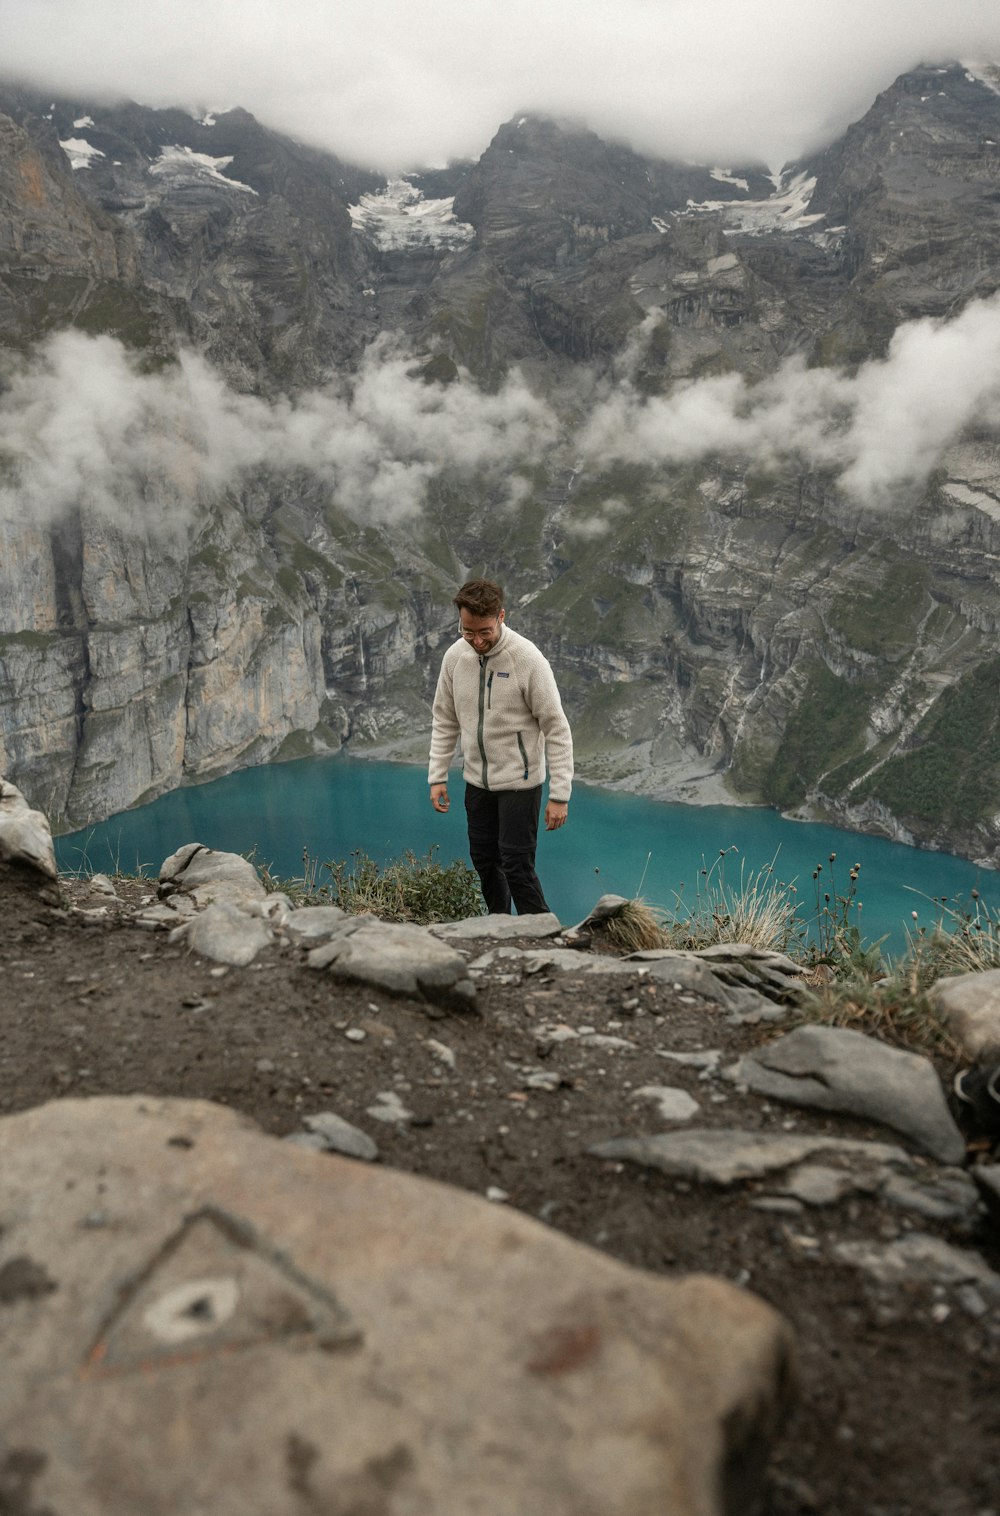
(252, 1326)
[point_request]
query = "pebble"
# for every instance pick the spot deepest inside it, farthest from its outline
(389, 1108)
(355, 1034)
(777, 1206)
(543, 1080)
(441, 1051)
(971, 1301)
(332, 1133)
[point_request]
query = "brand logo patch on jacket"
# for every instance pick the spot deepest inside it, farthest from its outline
(502, 675)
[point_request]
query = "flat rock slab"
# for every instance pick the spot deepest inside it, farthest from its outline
(554, 960)
(501, 927)
(920, 1256)
(313, 924)
(970, 1004)
(405, 960)
(682, 971)
(255, 1328)
(837, 1070)
(729, 1155)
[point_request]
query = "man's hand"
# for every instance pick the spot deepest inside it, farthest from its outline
(439, 797)
(556, 812)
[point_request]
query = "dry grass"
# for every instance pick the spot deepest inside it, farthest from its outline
(759, 911)
(961, 941)
(888, 1009)
(635, 927)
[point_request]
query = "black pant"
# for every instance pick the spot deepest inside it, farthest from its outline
(503, 831)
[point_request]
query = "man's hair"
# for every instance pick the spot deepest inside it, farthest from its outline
(481, 597)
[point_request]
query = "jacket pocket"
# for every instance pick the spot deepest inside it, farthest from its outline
(523, 752)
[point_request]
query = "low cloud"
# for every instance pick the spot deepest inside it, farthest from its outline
(598, 523)
(396, 85)
(881, 431)
(82, 427)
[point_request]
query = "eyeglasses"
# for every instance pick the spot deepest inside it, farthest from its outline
(481, 635)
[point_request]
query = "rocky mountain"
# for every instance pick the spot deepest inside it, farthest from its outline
(708, 425)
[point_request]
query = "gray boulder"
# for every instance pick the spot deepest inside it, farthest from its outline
(838, 1070)
(970, 1004)
(605, 910)
(257, 1328)
(210, 877)
(25, 835)
(225, 934)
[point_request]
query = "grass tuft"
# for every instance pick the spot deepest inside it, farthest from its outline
(888, 1009)
(761, 911)
(634, 928)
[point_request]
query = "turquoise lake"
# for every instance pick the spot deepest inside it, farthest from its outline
(624, 844)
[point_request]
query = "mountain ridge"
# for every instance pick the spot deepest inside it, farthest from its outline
(727, 619)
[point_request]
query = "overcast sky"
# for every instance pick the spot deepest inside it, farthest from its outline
(407, 83)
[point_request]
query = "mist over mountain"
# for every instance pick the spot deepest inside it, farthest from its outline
(729, 436)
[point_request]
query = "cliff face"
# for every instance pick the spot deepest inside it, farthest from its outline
(724, 621)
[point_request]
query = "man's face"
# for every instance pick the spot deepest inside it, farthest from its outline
(481, 632)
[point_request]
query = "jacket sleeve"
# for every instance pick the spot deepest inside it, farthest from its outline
(445, 726)
(546, 707)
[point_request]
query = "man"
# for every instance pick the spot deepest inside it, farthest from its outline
(498, 694)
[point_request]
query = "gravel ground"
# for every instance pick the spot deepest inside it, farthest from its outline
(898, 1413)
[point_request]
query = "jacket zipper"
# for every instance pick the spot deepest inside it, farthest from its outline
(482, 718)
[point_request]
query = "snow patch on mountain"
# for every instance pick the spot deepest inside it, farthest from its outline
(726, 176)
(399, 217)
(79, 151)
(786, 210)
(180, 163)
(983, 73)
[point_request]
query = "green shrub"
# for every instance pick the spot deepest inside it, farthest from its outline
(419, 890)
(826, 728)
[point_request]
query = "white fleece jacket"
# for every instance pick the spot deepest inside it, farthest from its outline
(505, 708)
